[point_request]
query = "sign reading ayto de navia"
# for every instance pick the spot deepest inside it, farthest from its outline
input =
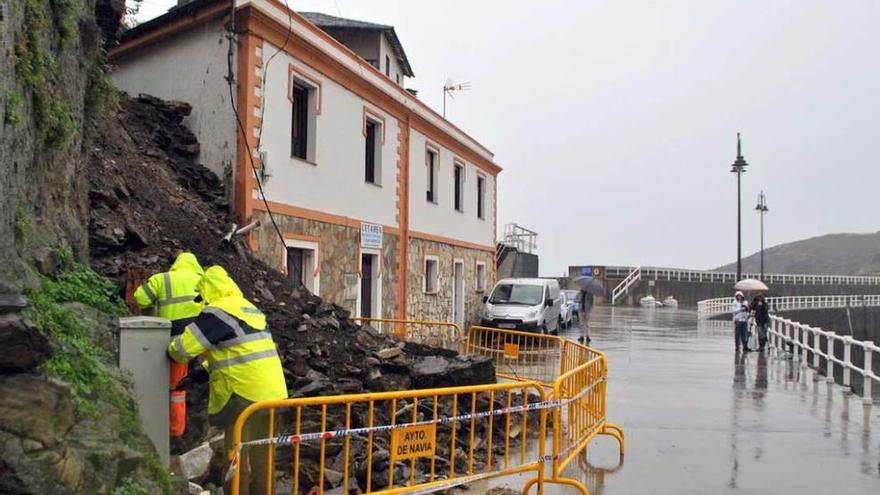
(371, 235)
(413, 441)
(511, 351)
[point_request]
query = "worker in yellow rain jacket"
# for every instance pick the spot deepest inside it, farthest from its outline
(173, 293)
(243, 365)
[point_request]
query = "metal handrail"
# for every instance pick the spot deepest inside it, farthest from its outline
(804, 339)
(623, 287)
(709, 308)
(679, 274)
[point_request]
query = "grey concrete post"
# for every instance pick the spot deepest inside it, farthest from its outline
(868, 382)
(847, 360)
(143, 341)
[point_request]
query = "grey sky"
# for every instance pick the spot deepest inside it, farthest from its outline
(616, 121)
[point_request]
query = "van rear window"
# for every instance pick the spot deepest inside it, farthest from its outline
(527, 295)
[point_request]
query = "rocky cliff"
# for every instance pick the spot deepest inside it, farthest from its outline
(67, 420)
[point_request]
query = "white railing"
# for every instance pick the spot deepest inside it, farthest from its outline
(677, 274)
(623, 287)
(708, 308)
(805, 340)
(521, 238)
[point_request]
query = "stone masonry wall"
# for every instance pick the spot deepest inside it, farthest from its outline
(438, 307)
(339, 255)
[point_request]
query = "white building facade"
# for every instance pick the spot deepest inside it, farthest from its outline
(384, 207)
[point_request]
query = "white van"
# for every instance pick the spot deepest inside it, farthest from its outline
(529, 304)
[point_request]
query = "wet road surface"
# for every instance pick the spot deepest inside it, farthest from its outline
(700, 420)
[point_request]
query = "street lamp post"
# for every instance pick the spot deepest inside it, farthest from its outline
(738, 168)
(762, 209)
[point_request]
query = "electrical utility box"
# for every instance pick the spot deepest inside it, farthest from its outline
(143, 341)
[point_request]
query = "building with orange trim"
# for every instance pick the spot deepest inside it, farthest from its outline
(384, 206)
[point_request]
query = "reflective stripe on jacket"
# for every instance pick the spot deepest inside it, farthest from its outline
(241, 355)
(173, 292)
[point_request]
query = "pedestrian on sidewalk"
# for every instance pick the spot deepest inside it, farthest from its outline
(740, 310)
(586, 301)
(761, 309)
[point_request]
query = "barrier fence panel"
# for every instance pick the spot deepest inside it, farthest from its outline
(518, 355)
(433, 333)
(414, 441)
(582, 390)
(424, 441)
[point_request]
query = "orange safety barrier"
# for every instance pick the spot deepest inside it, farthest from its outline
(378, 443)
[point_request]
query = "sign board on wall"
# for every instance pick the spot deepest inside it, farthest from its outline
(591, 271)
(371, 235)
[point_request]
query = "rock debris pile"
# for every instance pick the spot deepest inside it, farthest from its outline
(150, 199)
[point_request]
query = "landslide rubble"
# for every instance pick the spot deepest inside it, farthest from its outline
(150, 199)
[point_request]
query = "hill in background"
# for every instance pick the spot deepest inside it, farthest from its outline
(833, 254)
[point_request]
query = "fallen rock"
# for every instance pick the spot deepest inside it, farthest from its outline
(194, 464)
(436, 371)
(194, 489)
(389, 353)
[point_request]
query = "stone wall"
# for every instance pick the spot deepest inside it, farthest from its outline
(339, 255)
(438, 307)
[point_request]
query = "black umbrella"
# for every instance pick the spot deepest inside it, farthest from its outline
(590, 285)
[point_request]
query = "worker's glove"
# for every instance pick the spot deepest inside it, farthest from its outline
(196, 375)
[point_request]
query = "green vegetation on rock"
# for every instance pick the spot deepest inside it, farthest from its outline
(22, 226)
(78, 360)
(37, 69)
(12, 112)
(129, 487)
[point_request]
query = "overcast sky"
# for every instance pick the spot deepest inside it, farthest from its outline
(616, 121)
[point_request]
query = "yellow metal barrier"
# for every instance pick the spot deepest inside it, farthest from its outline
(575, 374)
(379, 442)
(581, 389)
(517, 355)
(422, 441)
(441, 334)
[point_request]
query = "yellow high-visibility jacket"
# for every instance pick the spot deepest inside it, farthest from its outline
(174, 292)
(241, 355)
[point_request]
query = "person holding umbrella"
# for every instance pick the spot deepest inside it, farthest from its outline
(740, 310)
(588, 287)
(762, 318)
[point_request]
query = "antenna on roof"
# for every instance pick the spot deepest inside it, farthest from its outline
(450, 87)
